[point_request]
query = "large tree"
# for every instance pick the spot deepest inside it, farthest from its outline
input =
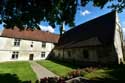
(29, 13)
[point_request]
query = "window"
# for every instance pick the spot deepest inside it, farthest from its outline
(69, 53)
(15, 55)
(43, 54)
(43, 44)
(86, 54)
(17, 42)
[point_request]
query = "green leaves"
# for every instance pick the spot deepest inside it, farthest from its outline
(30, 12)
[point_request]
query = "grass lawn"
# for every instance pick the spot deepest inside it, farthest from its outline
(116, 72)
(98, 74)
(56, 68)
(22, 70)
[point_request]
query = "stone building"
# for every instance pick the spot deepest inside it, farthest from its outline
(99, 40)
(18, 45)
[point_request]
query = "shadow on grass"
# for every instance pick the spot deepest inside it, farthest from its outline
(115, 72)
(11, 78)
(68, 64)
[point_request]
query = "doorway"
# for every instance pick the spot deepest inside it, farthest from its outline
(31, 56)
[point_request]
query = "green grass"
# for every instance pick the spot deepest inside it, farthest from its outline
(22, 70)
(115, 72)
(56, 68)
(98, 74)
(112, 73)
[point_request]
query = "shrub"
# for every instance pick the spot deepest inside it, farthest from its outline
(75, 73)
(52, 80)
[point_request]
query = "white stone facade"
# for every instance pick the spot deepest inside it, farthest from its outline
(27, 49)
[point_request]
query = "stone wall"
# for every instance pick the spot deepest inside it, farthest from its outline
(99, 54)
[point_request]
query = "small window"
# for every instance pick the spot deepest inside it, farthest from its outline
(69, 53)
(17, 42)
(43, 44)
(43, 54)
(58, 55)
(15, 55)
(86, 54)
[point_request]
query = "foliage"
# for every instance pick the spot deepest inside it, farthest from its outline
(29, 13)
(75, 73)
(52, 80)
(21, 69)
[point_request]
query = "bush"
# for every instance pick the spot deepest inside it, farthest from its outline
(75, 73)
(89, 69)
(52, 80)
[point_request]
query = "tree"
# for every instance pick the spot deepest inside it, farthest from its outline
(29, 13)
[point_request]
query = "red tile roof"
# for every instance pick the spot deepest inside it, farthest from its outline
(36, 35)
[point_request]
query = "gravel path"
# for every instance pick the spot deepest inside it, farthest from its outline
(41, 71)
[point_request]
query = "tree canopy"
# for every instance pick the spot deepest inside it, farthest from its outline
(29, 13)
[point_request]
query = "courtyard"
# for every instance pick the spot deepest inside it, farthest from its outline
(22, 71)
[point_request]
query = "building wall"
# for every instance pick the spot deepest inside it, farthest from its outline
(118, 41)
(7, 48)
(99, 54)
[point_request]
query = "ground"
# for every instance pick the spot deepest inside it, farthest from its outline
(113, 72)
(22, 71)
(58, 69)
(17, 70)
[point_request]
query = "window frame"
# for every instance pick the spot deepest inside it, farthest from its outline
(15, 55)
(69, 53)
(17, 42)
(43, 54)
(86, 54)
(43, 44)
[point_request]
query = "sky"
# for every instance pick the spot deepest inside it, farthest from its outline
(83, 15)
(89, 12)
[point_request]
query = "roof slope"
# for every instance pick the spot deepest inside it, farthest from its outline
(101, 28)
(36, 35)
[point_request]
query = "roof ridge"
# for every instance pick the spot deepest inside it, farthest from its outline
(95, 19)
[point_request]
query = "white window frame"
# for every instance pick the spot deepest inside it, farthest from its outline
(43, 54)
(15, 55)
(17, 42)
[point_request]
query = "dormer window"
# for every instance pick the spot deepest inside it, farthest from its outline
(16, 42)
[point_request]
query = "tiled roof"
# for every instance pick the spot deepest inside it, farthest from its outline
(102, 28)
(36, 35)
